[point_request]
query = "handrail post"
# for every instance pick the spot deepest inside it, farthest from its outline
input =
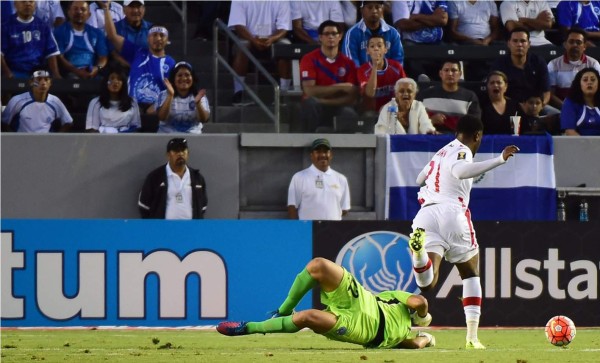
(219, 60)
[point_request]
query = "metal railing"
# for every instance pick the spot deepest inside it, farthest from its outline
(220, 60)
(182, 12)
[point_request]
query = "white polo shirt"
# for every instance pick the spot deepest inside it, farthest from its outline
(319, 195)
(179, 195)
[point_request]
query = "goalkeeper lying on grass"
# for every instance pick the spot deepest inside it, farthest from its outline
(353, 314)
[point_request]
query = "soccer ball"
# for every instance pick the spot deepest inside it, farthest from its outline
(560, 330)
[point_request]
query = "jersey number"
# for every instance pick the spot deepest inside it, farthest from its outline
(437, 175)
(26, 36)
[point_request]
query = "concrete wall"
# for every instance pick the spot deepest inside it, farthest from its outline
(99, 176)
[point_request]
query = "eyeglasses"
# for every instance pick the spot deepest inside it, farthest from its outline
(326, 34)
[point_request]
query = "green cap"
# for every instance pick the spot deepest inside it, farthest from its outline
(320, 142)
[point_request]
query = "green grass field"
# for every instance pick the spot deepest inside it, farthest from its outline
(132, 345)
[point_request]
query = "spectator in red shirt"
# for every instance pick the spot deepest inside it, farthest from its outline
(329, 83)
(377, 88)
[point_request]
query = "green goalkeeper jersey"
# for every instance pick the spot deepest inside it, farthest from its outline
(359, 315)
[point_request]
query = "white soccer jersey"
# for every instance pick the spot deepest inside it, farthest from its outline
(513, 10)
(262, 18)
(319, 195)
(24, 114)
(440, 185)
(112, 120)
(313, 13)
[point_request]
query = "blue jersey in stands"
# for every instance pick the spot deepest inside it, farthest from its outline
(137, 36)
(81, 49)
(355, 42)
(147, 74)
(574, 13)
(26, 45)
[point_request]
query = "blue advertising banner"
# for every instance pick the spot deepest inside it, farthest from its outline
(61, 273)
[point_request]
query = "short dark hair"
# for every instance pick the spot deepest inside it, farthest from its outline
(469, 125)
(518, 29)
(576, 30)
(451, 61)
(327, 23)
(375, 36)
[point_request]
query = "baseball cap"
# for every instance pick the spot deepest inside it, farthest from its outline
(320, 142)
(362, 3)
(177, 144)
(128, 2)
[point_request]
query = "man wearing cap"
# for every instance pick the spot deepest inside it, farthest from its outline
(174, 191)
(27, 43)
(319, 192)
(83, 48)
(149, 67)
(357, 38)
(36, 110)
(132, 27)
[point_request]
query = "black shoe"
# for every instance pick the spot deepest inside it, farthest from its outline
(238, 100)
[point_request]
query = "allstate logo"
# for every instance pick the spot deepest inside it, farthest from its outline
(380, 261)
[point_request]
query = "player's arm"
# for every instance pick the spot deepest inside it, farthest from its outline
(53, 66)
(5, 68)
(300, 33)
(292, 212)
(421, 341)
(464, 170)
(111, 31)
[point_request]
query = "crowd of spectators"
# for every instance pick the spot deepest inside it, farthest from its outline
(352, 76)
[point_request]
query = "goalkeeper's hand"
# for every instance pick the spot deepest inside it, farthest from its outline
(421, 321)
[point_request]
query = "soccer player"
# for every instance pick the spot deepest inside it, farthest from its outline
(353, 314)
(442, 227)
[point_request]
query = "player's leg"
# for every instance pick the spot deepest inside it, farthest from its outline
(318, 271)
(472, 296)
(426, 251)
(318, 321)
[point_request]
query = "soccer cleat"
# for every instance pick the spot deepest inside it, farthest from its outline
(417, 240)
(232, 328)
(421, 321)
(431, 342)
(474, 344)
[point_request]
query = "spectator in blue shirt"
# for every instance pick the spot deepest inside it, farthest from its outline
(133, 27)
(372, 23)
(27, 43)
(580, 114)
(83, 48)
(420, 22)
(581, 14)
(149, 67)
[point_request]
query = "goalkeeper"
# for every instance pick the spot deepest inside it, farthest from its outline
(353, 314)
